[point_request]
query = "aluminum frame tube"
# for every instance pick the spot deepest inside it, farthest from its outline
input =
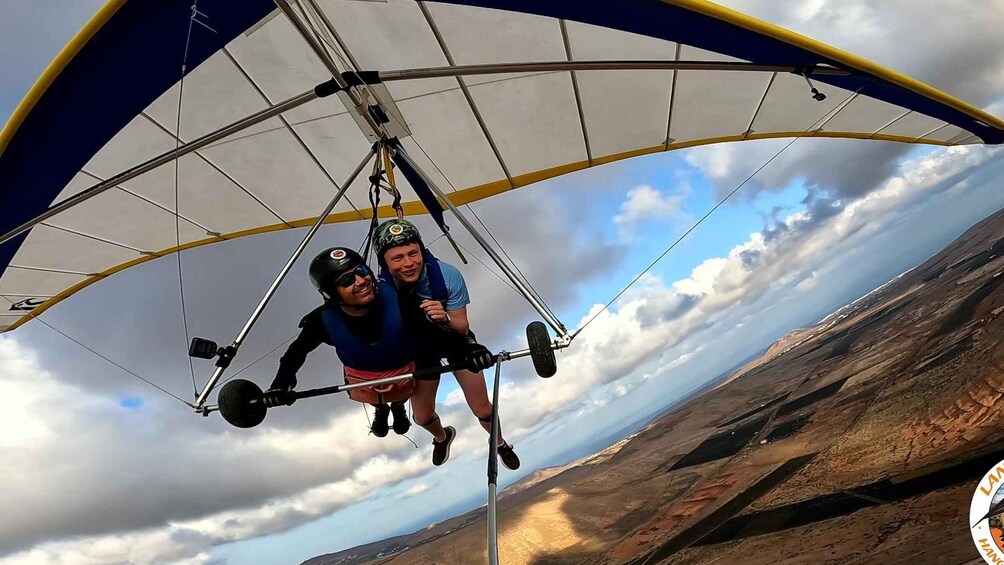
(501, 356)
(620, 65)
(164, 158)
(493, 469)
(419, 375)
(493, 542)
(537, 305)
(318, 50)
(328, 63)
(282, 273)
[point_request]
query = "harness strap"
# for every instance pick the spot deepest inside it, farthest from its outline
(434, 418)
(437, 282)
(376, 184)
(388, 167)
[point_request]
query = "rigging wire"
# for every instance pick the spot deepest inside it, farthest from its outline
(485, 265)
(249, 365)
(822, 120)
(321, 33)
(177, 205)
(366, 247)
(511, 262)
(681, 238)
(490, 234)
(326, 38)
(369, 426)
(106, 359)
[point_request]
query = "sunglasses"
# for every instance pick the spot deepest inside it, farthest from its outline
(348, 279)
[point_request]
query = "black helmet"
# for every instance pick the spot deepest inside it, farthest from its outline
(330, 265)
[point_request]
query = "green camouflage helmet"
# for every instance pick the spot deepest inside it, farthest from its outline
(393, 233)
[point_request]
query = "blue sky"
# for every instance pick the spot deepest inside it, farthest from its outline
(310, 481)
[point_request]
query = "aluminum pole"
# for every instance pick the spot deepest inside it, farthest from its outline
(537, 305)
(418, 375)
(329, 64)
(620, 65)
(309, 38)
(162, 159)
(493, 470)
(282, 274)
(493, 542)
(422, 374)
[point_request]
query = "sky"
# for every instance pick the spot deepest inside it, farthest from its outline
(101, 468)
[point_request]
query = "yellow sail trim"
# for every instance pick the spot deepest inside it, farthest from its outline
(459, 198)
(848, 59)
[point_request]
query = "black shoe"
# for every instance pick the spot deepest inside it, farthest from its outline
(379, 425)
(508, 457)
(441, 449)
(401, 422)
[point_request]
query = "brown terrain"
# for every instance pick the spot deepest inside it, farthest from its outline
(859, 440)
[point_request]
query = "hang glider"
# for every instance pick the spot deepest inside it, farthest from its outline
(165, 125)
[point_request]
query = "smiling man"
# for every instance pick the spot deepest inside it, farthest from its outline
(375, 336)
(439, 290)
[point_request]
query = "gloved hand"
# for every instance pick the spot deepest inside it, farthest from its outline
(279, 396)
(478, 358)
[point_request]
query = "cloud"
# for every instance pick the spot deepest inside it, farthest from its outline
(107, 500)
(840, 167)
(189, 539)
(99, 468)
(551, 245)
(879, 31)
(114, 436)
(658, 326)
(996, 108)
(78, 464)
(876, 31)
(92, 462)
(417, 489)
(645, 203)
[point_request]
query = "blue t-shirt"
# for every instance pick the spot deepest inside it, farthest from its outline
(456, 288)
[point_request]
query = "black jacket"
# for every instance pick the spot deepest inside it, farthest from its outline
(436, 341)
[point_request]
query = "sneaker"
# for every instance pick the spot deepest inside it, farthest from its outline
(401, 422)
(441, 449)
(379, 426)
(509, 458)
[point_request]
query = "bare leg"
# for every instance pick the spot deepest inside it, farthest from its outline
(423, 404)
(476, 394)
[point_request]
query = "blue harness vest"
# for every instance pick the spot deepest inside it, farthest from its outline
(433, 272)
(427, 344)
(437, 283)
(389, 352)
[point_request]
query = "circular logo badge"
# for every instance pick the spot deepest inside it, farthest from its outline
(396, 229)
(986, 513)
(338, 254)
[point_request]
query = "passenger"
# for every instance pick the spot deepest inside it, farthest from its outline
(439, 290)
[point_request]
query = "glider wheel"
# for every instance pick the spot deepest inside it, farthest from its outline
(241, 403)
(540, 349)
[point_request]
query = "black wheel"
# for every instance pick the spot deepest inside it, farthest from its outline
(241, 404)
(540, 349)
